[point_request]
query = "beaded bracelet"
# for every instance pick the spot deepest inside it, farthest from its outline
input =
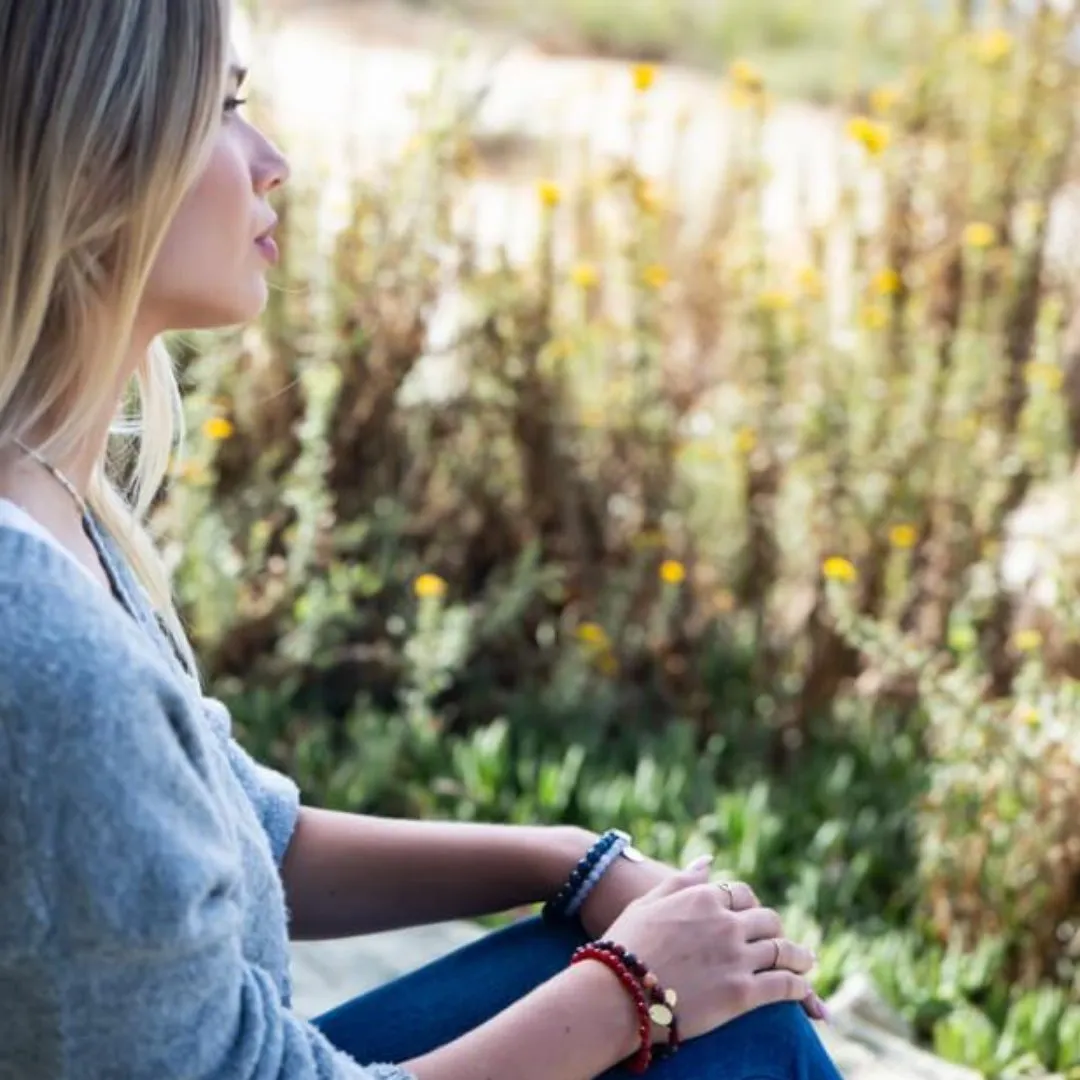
(664, 1002)
(558, 908)
(642, 1059)
(603, 865)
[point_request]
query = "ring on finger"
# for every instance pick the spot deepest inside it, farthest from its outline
(725, 887)
(776, 959)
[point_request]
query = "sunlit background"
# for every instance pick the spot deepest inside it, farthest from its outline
(666, 417)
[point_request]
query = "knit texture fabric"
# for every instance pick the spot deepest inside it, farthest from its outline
(143, 923)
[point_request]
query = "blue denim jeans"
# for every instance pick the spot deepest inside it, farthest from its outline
(435, 1005)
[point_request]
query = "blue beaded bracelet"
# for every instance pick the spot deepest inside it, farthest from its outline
(560, 908)
(603, 865)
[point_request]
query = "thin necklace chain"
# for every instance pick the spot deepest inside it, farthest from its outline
(57, 475)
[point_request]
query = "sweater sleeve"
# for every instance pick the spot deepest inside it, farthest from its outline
(275, 797)
(120, 900)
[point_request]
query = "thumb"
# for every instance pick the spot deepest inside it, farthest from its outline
(696, 873)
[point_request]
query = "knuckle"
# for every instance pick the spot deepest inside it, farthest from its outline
(741, 991)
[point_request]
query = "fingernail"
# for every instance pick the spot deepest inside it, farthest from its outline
(699, 863)
(822, 1010)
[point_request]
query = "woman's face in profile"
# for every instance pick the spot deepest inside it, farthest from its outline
(211, 270)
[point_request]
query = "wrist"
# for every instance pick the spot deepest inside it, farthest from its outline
(612, 1010)
(565, 849)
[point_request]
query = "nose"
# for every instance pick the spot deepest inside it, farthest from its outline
(270, 169)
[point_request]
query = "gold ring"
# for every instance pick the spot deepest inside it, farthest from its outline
(776, 946)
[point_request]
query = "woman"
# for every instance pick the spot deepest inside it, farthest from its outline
(152, 872)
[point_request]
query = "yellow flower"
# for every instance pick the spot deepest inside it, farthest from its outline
(593, 634)
(873, 317)
(745, 440)
(1042, 373)
(903, 536)
(993, 47)
(811, 282)
(218, 429)
(585, 276)
(429, 587)
(644, 76)
(887, 282)
(883, 100)
(747, 77)
(655, 276)
(872, 136)
(1029, 717)
(774, 300)
(550, 193)
(672, 572)
(1028, 641)
(980, 234)
(839, 569)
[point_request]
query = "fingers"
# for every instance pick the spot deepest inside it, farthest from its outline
(781, 954)
(761, 924)
(697, 873)
(738, 895)
(776, 986)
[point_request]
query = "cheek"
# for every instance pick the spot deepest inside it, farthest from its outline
(200, 265)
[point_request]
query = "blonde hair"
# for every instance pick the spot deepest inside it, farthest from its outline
(106, 113)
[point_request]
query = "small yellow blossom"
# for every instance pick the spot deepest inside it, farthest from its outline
(840, 569)
(887, 282)
(1029, 717)
(594, 635)
(429, 587)
(585, 276)
(872, 136)
(994, 47)
(873, 317)
(1028, 641)
(980, 234)
(884, 99)
(903, 536)
(1044, 374)
(218, 429)
(550, 193)
(672, 572)
(774, 300)
(747, 77)
(655, 276)
(644, 76)
(811, 282)
(746, 441)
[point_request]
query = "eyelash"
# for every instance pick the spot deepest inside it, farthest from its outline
(234, 103)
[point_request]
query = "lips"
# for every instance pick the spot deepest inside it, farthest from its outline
(267, 245)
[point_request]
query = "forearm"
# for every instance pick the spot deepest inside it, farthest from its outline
(575, 1027)
(347, 874)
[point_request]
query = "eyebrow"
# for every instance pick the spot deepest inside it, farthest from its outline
(238, 73)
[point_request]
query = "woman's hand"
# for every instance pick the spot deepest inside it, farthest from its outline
(722, 962)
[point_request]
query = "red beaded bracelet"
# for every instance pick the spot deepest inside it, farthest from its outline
(662, 1012)
(641, 1061)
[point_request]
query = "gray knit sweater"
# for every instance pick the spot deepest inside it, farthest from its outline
(143, 927)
